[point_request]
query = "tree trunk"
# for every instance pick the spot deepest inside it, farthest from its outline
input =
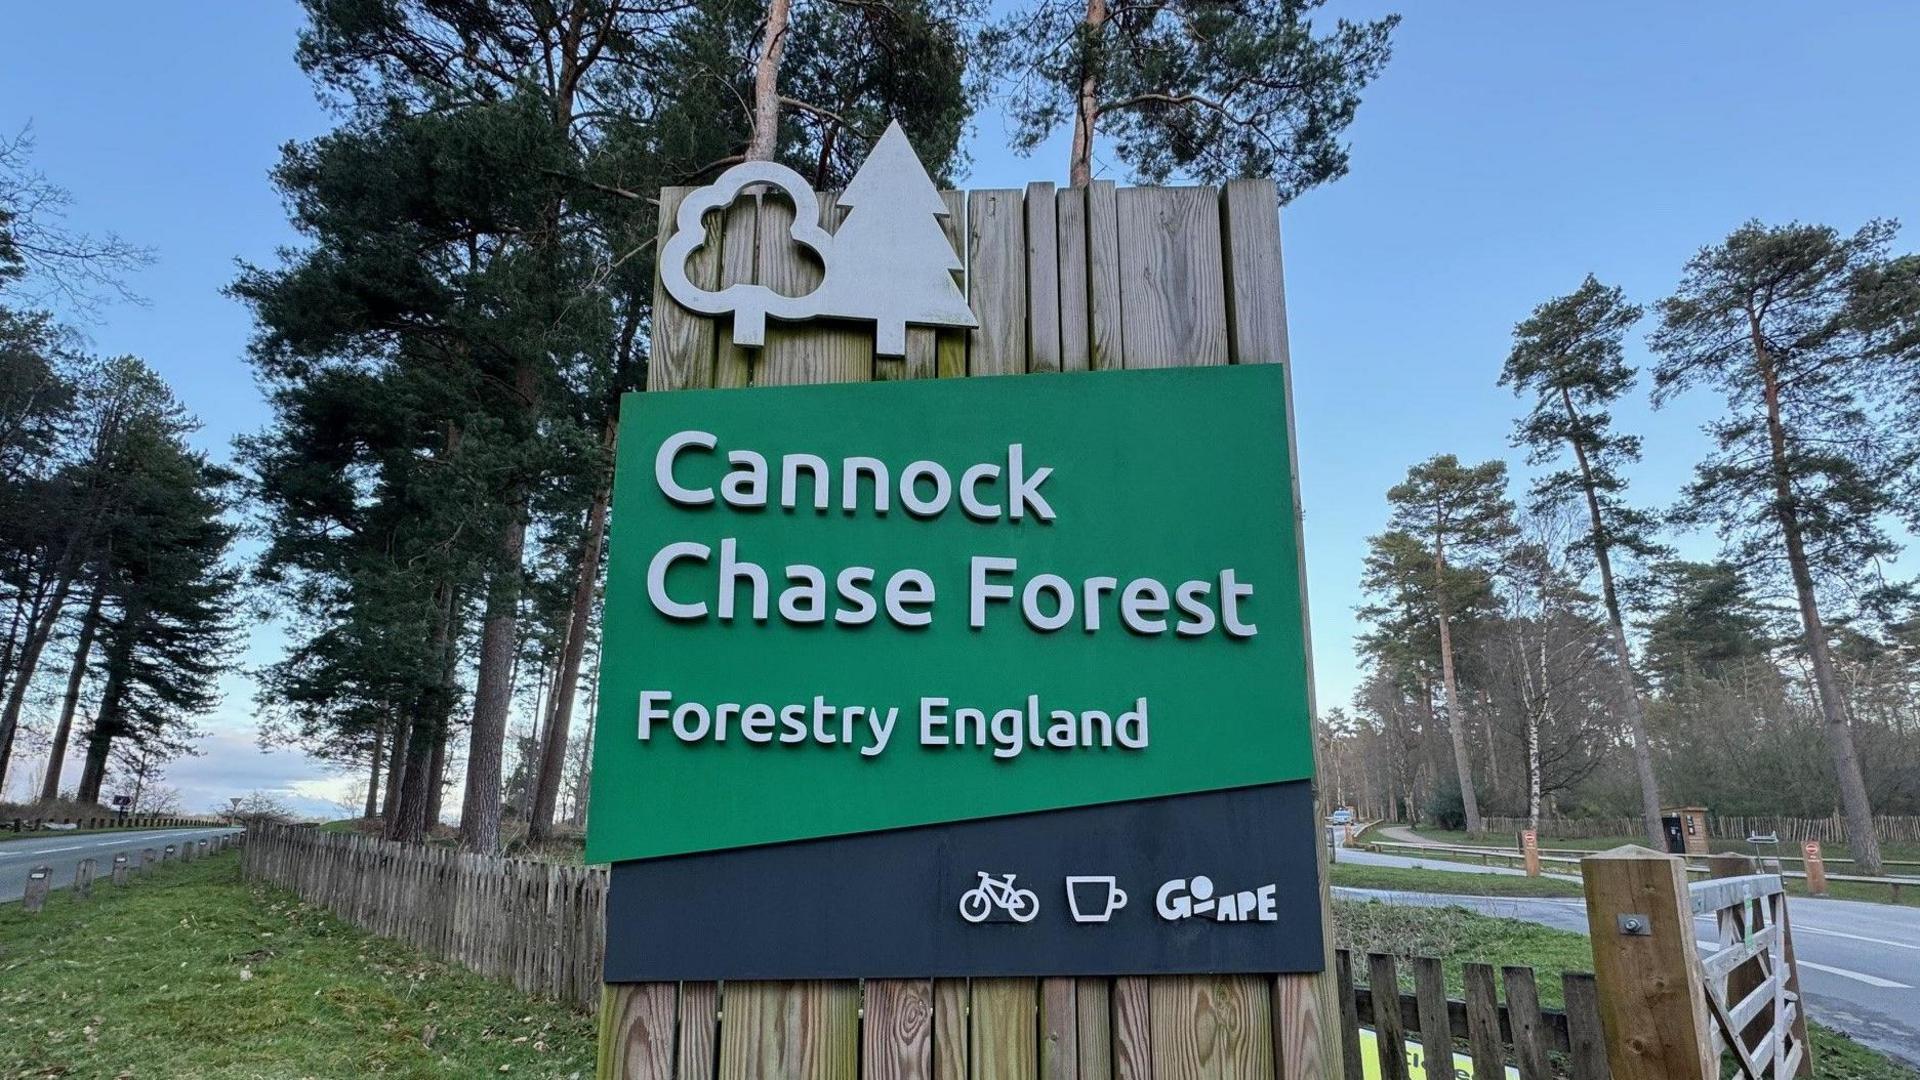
(396, 765)
(1086, 109)
(583, 785)
(1629, 686)
(1456, 715)
(553, 755)
(38, 632)
(373, 773)
(62, 731)
(437, 773)
(766, 84)
(493, 692)
(415, 807)
(1861, 840)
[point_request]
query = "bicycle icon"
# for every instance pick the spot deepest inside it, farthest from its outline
(978, 902)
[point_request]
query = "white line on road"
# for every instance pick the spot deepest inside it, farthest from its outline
(1855, 937)
(1870, 980)
(1857, 976)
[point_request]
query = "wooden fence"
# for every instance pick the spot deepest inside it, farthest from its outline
(537, 925)
(1791, 830)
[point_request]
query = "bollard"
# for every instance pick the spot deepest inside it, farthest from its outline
(147, 858)
(1530, 851)
(36, 895)
(1817, 871)
(203, 848)
(83, 879)
(168, 854)
(120, 868)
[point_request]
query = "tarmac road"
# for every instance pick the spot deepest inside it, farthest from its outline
(63, 852)
(1859, 962)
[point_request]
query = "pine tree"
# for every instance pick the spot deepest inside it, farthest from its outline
(1461, 515)
(1568, 356)
(1793, 325)
(902, 258)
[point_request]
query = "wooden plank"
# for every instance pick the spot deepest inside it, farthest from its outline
(819, 351)
(1132, 1030)
(739, 262)
(1172, 281)
(997, 282)
(1256, 282)
(1107, 343)
(1070, 227)
(1712, 896)
(1059, 1030)
(1389, 1037)
(682, 355)
(1043, 279)
(636, 1032)
(950, 346)
(1351, 1067)
(789, 1031)
(1003, 1016)
(699, 1029)
(1802, 1064)
(1523, 1019)
(1430, 992)
(1483, 1023)
(1586, 1042)
(1652, 1001)
(896, 1038)
(950, 1035)
(1093, 999)
(1210, 1026)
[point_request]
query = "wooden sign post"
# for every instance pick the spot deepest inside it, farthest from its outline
(1530, 851)
(1083, 279)
(1816, 869)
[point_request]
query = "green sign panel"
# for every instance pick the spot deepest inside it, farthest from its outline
(838, 609)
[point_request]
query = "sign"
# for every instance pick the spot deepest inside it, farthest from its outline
(1417, 1063)
(1217, 882)
(1529, 839)
(1812, 850)
(840, 609)
(889, 261)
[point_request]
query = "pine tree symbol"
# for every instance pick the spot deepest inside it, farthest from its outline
(891, 261)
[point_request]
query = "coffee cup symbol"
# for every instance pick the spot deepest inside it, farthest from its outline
(1094, 898)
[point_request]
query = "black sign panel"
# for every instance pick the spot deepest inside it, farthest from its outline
(1221, 881)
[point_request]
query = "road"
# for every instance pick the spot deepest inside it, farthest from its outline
(63, 852)
(1859, 962)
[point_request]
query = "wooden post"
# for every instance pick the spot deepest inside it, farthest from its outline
(83, 878)
(120, 868)
(167, 854)
(1530, 851)
(1817, 870)
(1646, 967)
(147, 859)
(38, 880)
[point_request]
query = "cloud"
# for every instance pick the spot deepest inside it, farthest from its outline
(231, 764)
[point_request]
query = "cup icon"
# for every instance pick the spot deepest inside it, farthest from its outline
(1094, 898)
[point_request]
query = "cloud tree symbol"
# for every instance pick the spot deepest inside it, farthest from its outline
(750, 304)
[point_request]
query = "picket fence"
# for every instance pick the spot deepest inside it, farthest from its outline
(537, 925)
(540, 926)
(1791, 830)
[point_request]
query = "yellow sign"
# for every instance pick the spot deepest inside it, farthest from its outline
(1417, 1061)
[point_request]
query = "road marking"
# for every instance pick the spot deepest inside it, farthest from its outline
(1858, 976)
(1870, 980)
(1855, 937)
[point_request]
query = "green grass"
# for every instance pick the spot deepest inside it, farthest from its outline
(1457, 936)
(1435, 880)
(197, 973)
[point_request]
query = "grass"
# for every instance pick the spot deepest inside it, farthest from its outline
(197, 973)
(1457, 936)
(1435, 880)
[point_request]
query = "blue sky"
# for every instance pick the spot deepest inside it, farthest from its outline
(1509, 149)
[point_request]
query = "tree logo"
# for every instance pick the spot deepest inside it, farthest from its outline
(889, 263)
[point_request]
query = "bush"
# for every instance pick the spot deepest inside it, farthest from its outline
(1445, 807)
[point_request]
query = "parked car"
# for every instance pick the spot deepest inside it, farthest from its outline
(1342, 816)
